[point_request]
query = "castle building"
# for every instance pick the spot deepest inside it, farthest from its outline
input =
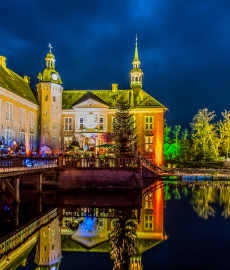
(60, 117)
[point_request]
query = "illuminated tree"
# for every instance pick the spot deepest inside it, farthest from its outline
(124, 131)
(123, 242)
(224, 130)
(204, 136)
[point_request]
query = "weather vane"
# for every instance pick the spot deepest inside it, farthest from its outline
(50, 47)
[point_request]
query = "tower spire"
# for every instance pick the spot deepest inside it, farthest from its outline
(136, 58)
(136, 73)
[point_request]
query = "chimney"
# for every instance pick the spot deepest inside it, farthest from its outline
(27, 79)
(114, 87)
(2, 61)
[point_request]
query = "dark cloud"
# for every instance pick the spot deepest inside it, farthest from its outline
(184, 47)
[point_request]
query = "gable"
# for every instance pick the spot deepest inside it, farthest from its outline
(90, 103)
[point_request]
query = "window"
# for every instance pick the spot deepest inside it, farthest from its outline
(22, 136)
(148, 222)
(31, 119)
(44, 248)
(148, 143)
(9, 137)
(53, 247)
(149, 201)
(54, 99)
(46, 112)
(68, 140)
(45, 138)
(45, 234)
(54, 138)
(46, 97)
(9, 111)
(31, 138)
(53, 232)
(22, 116)
(54, 126)
(148, 122)
(54, 113)
(101, 224)
(68, 123)
(45, 126)
(101, 122)
(81, 123)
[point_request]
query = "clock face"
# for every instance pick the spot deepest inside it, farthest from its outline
(54, 76)
(90, 121)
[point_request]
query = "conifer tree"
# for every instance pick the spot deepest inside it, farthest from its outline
(124, 132)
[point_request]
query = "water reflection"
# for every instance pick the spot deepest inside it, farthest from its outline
(123, 224)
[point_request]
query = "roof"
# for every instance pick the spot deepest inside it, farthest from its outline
(89, 95)
(135, 97)
(16, 84)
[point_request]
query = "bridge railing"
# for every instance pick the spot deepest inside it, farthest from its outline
(16, 238)
(72, 162)
(21, 161)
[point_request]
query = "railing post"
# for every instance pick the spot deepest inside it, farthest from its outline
(16, 189)
(39, 183)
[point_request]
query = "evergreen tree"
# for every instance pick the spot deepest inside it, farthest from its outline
(124, 132)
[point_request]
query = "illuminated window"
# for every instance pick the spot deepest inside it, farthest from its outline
(68, 123)
(31, 138)
(54, 138)
(46, 112)
(45, 126)
(101, 122)
(31, 119)
(54, 99)
(54, 113)
(148, 143)
(22, 136)
(148, 222)
(149, 201)
(68, 140)
(9, 137)
(148, 122)
(101, 224)
(46, 97)
(22, 116)
(81, 123)
(9, 111)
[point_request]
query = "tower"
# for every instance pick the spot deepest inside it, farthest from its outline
(50, 98)
(136, 73)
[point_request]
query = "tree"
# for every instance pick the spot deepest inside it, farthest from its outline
(124, 131)
(204, 136)
(224, 130)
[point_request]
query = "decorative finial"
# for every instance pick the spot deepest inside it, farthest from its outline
(50, 47)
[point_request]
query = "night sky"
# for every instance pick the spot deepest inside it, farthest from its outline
(184, 47)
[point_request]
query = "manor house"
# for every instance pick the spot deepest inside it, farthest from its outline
(51, 118)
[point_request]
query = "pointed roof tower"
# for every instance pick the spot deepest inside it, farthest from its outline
(136, 73)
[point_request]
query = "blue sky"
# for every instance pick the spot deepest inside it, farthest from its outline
(184, 47)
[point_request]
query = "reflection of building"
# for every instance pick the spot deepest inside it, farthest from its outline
(48, 250)
(93, 236)
(84, 116)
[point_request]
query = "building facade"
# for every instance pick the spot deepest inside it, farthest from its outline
(61, 117)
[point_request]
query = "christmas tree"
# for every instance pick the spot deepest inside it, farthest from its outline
(124, 131)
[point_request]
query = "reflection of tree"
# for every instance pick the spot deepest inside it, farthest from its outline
(185, 191)
(225, 200)
(201, 199)
(176, 193)
(167, 195)
(123, 242)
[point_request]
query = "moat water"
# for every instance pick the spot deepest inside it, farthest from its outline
(178, 227)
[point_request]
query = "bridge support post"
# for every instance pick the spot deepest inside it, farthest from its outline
(16, 189)
(3, 185)
(16, 214)
(39, 183)
(39, 203)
